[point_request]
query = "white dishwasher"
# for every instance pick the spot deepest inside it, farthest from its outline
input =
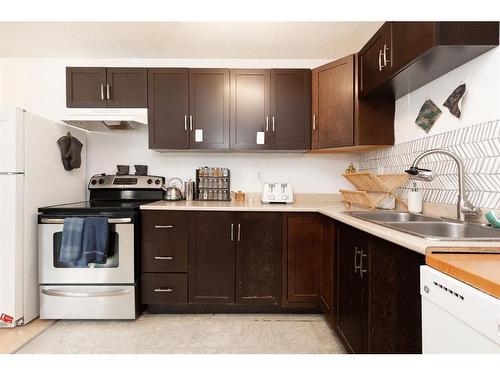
(456, 317)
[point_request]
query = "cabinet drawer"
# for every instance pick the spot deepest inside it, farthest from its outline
(164, 226)
(164, 256)
(163, 289)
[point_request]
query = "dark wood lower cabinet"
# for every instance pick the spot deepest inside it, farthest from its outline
(395, 304)
(367, 288)
(302, 259)
(328, 295)
(212, 258)
(258, 258)
(378, 290)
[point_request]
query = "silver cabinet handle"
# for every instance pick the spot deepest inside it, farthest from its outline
(361, 270)
(386, 61)
(191, 122)
(185, 122)
(239, 232)
(163, 290)
(102, 91)
(267, 123)
(164, 227)
(123, 220)
(380, 60)
(314, 121)
(356, 253)
(62, 293)
(108, 91)
(274, 129)
(232, 232)
(160, 257)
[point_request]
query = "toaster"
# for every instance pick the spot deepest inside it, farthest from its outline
(277, 193)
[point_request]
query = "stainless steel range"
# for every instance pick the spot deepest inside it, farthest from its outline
(107, 290)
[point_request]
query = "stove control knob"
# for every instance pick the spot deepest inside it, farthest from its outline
(150, 181)
(284, 197)
(93, 182)
(271, 197)
(101, 181)
(157, 182)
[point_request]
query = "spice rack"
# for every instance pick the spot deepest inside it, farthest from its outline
(213, 184)
(371, 188)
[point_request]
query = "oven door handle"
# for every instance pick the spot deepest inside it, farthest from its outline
(122, 220)
(109, 293)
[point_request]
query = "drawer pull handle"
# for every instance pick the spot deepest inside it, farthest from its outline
(163, 290)
(164, 227)
(159, 257)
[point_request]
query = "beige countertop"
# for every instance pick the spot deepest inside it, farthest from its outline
(334, 210)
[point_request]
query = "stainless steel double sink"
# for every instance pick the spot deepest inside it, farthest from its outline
(430, 227)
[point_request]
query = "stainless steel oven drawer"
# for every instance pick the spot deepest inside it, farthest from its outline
(87, 302)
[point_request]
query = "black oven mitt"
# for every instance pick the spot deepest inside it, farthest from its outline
(71, 149)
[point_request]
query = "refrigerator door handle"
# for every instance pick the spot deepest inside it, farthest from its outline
(10, 173)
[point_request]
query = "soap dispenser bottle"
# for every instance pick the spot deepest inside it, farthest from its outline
(415, 200)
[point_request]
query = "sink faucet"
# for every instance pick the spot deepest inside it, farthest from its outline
(464, 207)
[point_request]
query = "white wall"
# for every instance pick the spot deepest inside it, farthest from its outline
(38, 85)
(481, 102)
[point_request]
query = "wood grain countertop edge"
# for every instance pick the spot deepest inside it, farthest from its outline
(473, 279)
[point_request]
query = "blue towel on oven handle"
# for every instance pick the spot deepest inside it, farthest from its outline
(95, 239)
(72, 238)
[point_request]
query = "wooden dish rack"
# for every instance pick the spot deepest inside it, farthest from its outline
(371, 189)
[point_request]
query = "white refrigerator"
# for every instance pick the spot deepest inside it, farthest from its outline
(31, 176)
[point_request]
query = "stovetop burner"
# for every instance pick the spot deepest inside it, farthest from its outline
(111, 194)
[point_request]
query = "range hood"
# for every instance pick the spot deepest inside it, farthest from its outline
(105, 119)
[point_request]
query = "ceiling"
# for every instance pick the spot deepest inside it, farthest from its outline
(238, 40)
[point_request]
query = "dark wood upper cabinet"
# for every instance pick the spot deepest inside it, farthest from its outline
(168, 110)
(340, 120)
(333, 105)
(106, 87)
(302, 258)
(128, 87)
(250, 109)
(375, 59)
(212, 258)
(85, 87)
(209, 108)
(416, 53)
(258, 258)
(290, 109)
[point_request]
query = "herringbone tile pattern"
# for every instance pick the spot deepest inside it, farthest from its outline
(477, 145)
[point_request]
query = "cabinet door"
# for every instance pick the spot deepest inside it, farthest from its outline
(128, 87)
(345, 267)
(410, 40)
(168, 101)
(211, 258)
(209, 108)
(328, 298)
(333, 91)
(250, 109)
(352, 287)
(85, 87)
(375, 60)
(395, 307)
(303, 251)
(258, 258)
(290, 109)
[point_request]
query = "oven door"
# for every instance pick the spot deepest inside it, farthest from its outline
(119, 266)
